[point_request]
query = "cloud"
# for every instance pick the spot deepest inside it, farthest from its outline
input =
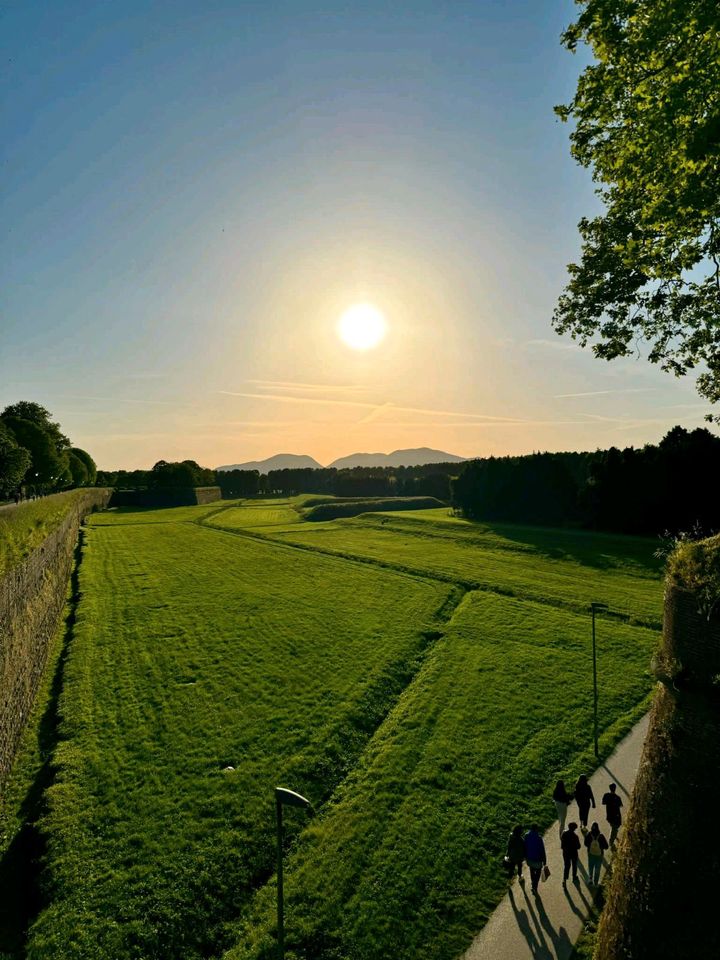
(468, 424)
(603, 393)
(552, 344)
(280, 398)
(313, 387)
(365, 405)
(162, 403)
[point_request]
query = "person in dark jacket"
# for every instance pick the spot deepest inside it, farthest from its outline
(570, 843)
(562, 799)
(612, 803)
(516, 852)
(584, 797)
(596, 846)
(535, 855)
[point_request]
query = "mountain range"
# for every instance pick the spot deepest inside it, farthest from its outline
(398, 458)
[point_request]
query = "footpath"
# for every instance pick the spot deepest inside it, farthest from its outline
(545, 927)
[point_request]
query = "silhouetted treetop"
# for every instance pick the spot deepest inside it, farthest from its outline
(647, 123)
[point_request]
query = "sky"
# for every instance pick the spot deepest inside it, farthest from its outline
(193, 193)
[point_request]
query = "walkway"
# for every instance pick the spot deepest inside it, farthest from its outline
(526, 927)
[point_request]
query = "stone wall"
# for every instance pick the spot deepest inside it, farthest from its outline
(662, 899)
(32, 595)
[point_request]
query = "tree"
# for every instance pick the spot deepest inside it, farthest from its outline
(89, 463)
(238, 483)
(647, 123)
(14, 461)
(48, 464)
(37, 414)
(186, 473)
(78, 470)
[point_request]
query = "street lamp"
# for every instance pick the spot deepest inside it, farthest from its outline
(596, 608)
(291, 799)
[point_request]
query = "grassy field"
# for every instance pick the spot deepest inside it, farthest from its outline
(405, 860)
(193, 651)
(423, 680)
(568, 568)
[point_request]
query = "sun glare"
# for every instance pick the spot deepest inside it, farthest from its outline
(362, 326)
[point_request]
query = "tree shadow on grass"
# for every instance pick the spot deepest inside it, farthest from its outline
(601, 551)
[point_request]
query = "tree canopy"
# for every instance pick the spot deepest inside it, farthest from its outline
(666, 487)
(14, 460)
(47, 463)
(35, 452)
(646, 120)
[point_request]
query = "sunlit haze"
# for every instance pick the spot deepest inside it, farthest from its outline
(194, 194)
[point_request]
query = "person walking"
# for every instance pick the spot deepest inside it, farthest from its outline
(612, 803)
(516, 853)
(584, 797)
(596, 846)
(562, 799)
(535, 855)
(570, 843)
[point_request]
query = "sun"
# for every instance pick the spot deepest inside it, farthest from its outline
(362, 326)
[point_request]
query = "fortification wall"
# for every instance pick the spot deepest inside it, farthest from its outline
(167, 497)
(661, 902)
(32, 595)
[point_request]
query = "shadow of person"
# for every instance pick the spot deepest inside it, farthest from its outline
(539, 944)
(562, 945)
(576, 910)
(578, 886)
(538, 948)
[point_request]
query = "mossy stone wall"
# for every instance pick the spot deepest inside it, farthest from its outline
(32, 595)
(662, 900)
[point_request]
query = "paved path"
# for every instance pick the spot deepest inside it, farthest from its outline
(545, 927)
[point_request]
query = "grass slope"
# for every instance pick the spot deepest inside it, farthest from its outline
(568, 568)
(353, 508)
(405, 859)
(321, 656)
(194, 650)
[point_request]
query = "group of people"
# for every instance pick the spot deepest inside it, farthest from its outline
(529, 847)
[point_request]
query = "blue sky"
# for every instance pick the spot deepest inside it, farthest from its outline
(194, 192)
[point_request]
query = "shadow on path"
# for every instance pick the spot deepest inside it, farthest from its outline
(536, 927)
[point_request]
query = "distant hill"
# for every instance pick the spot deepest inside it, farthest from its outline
(398, 458)
(281, 461)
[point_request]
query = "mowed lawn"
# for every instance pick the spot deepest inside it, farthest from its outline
(421, 729)
(196, 650)
(257, 514)
(568, 568)
(405, 861)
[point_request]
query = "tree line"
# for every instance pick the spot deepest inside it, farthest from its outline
(667, 487)
(36, 456)
(429, 480)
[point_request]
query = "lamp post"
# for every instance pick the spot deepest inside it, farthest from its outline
(596, 608)
(291, 799)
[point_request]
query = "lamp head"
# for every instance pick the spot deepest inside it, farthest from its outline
(290, 798)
